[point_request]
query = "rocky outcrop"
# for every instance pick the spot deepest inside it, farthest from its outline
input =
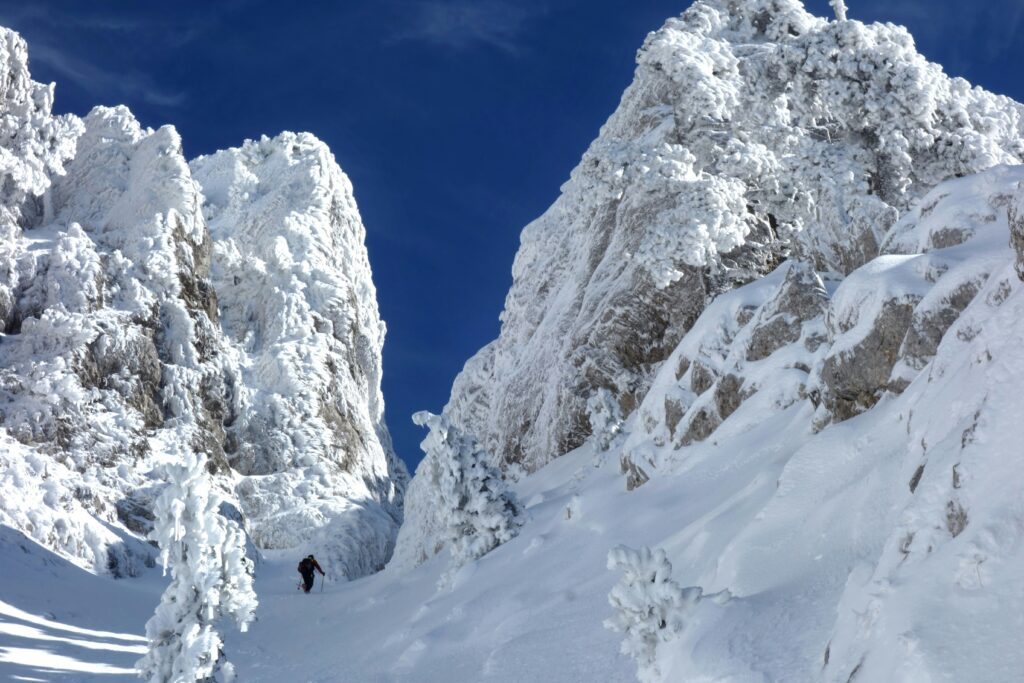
(854, 377)
(841, 345)
(299, 314)
(1016, 217)
(751, 132)
(800, 298)
(127, 325)
(744, 341)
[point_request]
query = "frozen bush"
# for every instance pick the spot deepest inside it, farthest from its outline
(478, 510)
(649, 606)
(605, 417)
(211, 578)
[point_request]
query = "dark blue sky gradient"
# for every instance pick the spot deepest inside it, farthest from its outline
(457, 120)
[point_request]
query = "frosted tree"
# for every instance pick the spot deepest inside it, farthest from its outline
(840, 7)
(605, 416)
(649, 605)
(211, 579)
(478, 510)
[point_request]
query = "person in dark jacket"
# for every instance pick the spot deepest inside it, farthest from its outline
(306, 568)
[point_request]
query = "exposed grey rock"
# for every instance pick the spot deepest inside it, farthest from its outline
(956, 518)
(701, 377)
(635, 475)
(855, 378)
(1016, 218)
(728, 395)
(801, 297)
(673, 414)
(929, 325)
(702, 423)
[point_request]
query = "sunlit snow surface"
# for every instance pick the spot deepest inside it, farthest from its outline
(59, 622)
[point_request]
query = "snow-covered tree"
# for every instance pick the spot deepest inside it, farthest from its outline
(605, 417)
(840, 7)
(211, 578)
(478, 509)
(649, 605)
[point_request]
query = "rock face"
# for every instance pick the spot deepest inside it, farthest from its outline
(299, 312)
(752, 131)
(127, 324)
(1016, 217)
(789, 337)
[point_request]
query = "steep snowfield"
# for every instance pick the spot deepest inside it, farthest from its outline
(140, 309)
(61, 623)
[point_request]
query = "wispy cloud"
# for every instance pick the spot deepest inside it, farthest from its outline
(463, 24)
(91, 76)
(71, 43)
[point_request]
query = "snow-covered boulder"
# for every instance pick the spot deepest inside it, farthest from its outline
(751, 131)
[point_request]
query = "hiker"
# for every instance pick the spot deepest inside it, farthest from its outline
(306, 568)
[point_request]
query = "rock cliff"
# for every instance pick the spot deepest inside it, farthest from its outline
(144, 300)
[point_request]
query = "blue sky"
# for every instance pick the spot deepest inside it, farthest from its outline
(457, 120)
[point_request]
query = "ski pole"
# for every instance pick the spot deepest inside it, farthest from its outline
(321, 583)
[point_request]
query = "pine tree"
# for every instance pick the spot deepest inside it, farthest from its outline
(605, 416)
(650, 605)
(480, 512)
(211, 578)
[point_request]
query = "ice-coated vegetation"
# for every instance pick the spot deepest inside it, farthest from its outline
(469, 496)
(211, 578)
(650, 607)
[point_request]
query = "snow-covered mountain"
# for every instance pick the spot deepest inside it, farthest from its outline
(778, 308)
(752, 131)
(227, 306)
(772, 330)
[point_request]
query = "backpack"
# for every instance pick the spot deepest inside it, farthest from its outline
(305, 567)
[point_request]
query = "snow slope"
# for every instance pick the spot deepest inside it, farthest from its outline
(59, 622)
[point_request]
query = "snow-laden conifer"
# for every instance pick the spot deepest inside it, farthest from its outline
(478, 509)
(211, 578)
(649, 605)
(605, 416)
